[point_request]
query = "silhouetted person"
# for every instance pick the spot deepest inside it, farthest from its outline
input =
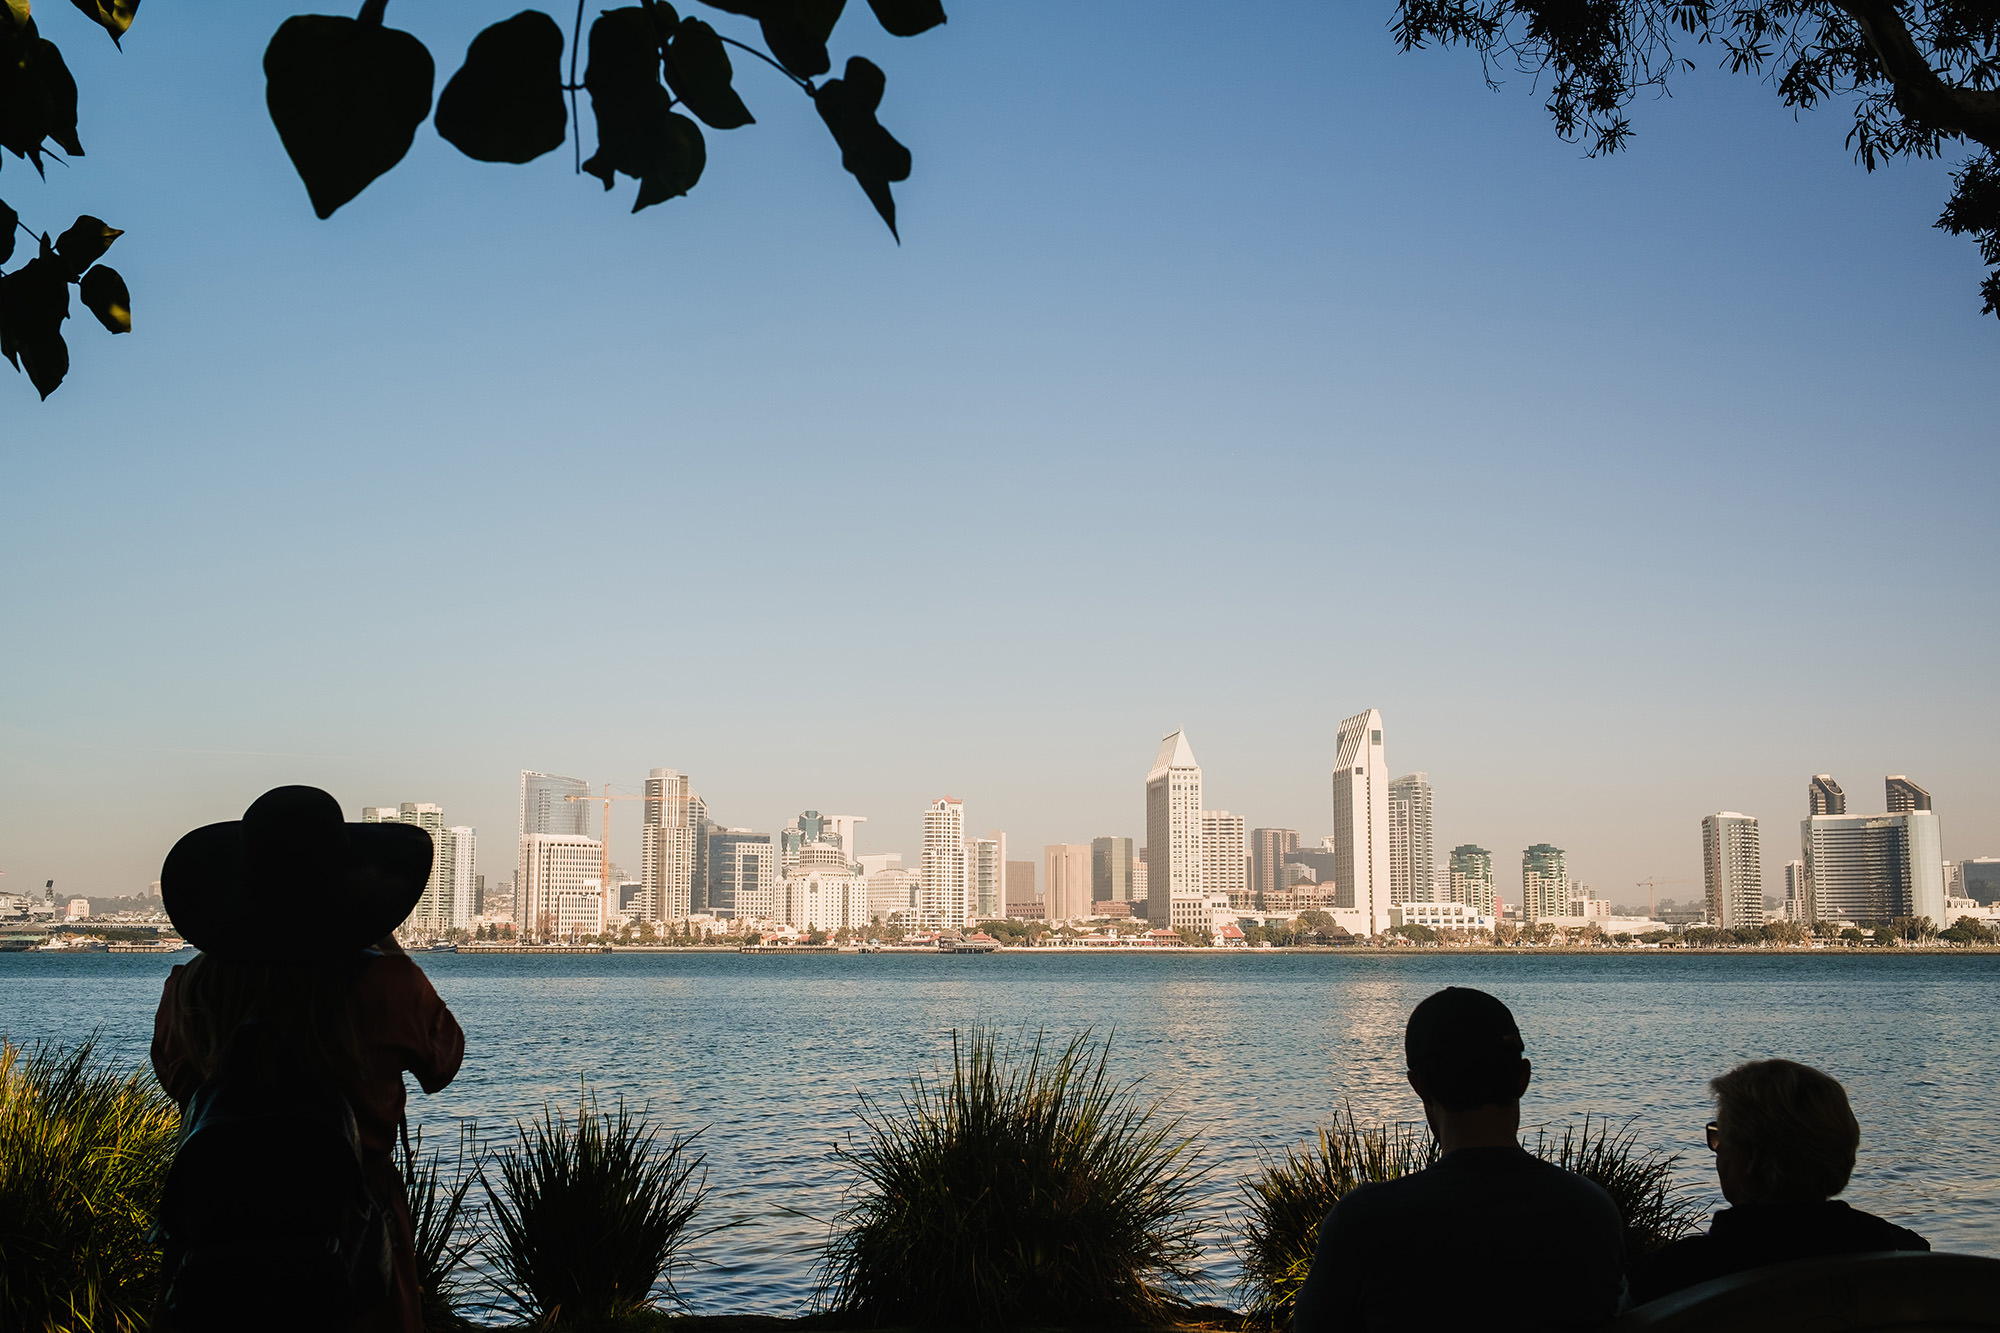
(285, 1042)
(1490, 1237)
(1784, 1139)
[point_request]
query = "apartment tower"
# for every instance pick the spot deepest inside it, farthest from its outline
(1472, 879)
(1225, 864)
(1544, 882)
(986, 867)
(1732, 870)
(1412, 855)
(944, 899)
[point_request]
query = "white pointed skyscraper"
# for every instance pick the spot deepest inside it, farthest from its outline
(1361, 820)
(1173, 829)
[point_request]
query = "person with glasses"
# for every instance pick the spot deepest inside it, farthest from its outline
(1784, 1140)
(1490, 1237)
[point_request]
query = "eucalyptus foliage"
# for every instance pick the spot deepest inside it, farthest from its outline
(84, 1152)
(1020, 1188)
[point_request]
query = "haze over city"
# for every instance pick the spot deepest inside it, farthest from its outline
(1340, 384)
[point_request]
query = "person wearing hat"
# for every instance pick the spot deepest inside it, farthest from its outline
(1488, 1237)
(294, 911)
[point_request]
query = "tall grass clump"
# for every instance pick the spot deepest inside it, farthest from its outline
(1639, 1181)
(590, 1215)
(444, 1225)
(1292, 1194)
(1022, 1187)
(84, 1152)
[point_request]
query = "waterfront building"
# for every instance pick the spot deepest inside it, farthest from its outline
(1111, 869)
(742, 873)
(986, 867)
(1068, 894)
(675, 820)
(1268, 849)
(894, 891)
(1173, 829)
(1979, 879)
(1412, 854)
(1021, 882)
(1208, 910)
(1440, 915)
(1905, 796)
(1873, 867)
(1472, 879)
(945, 900)
(1795, 891)
(1824, 796)
(1545, 883)
(459, 878)
(1732, 870)
(1224, 860)
(555, 865)
(1361, 820)
(823, 891)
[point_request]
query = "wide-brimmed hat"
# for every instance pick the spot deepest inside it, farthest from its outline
(292, 881)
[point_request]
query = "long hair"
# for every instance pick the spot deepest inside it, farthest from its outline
(306, 1012)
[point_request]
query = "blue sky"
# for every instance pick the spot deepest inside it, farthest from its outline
(1236, 374)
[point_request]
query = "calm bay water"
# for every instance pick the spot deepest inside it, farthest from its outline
(770, 1054)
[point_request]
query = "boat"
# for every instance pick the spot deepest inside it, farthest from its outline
(441, 946)
(169, 945)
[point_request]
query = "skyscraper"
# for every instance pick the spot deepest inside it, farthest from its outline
(1544, 882)
(561, 873)
(1020, 881)
(1732, 870)
(1068, 895)
(944, 898)
(1360, 819)
(1111, 870)
(1905, 796)
(742, 873)
(1824, 796)
(986, 867)
(849, 829)
(674, 816)
(1173, 829)
(1873, 867)
(1411, 852)
(546, 808)
(1472, 879)
(1225, 867)
(1268, 849)
(1795, 891)
(447, 901)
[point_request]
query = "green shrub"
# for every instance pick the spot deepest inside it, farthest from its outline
(1292, 1194)
(591, 1215)
(84, 1153)
(444, 1227)
(1639, 1181)
(1023, 1188)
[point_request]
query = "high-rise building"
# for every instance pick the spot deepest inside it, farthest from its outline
(1979, 879)
(1795, 891)
(1361, 819)
(1021, 881)
(1142, 896)
(1068, 894)
(1824, 796)
(1268, 849)
(1411, 851)
(944, 897)
(742, 873)
(986, 867)
(546, 807)
(1905, 796)
(1732, 861)
(675, 819)
(1173, 829)
(1111, 870)
(848, 827)
(447, 901)
(1225, 862)
(1873, 867)
(1472, 879)
(561, 872)
(1545, 882)
(699, 825)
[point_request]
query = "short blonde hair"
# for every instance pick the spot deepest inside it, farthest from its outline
(1796, 1121)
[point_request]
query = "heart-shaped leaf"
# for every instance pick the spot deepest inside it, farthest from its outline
(114, 16)
(699, 72)
(506, 103)
(84, 244)
(34, 301)
(104, 295)
(905, 18)
(10, 221)
(37, 94)
(347, 96)
(638, 133)
(796, 31)
(868, 151)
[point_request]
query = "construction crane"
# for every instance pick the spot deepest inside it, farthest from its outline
(604, 872)
(1651, 887)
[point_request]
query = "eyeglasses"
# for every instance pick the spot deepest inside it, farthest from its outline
(1714, 1132)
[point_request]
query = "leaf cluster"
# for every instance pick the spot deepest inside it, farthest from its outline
(84, 1153)
(1019, 1188)
(34, 298)
(1917, 72)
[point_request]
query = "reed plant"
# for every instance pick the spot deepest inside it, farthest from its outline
(1292, 1193)
(1639, 1181)
(84, 1152)
(1022, 1187)
(445, 1227)
(590, 1215)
